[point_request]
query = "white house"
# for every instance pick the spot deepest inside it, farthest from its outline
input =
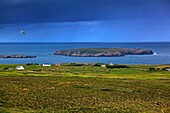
(19, 68)
(111, 64)
(168, 69)
(46, 65)
(103, 65)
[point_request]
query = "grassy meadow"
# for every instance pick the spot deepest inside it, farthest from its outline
(84, 89)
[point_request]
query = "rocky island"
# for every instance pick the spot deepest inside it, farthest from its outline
(16, 56)
(103, 52)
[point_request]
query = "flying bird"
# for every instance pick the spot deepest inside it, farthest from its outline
(22, 32)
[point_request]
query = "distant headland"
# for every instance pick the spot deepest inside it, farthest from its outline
(103, 52)
(16, 56)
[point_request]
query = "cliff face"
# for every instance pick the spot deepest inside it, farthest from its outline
(103, 52)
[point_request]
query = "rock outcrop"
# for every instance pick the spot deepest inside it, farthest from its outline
(103, 52)
(16, 56)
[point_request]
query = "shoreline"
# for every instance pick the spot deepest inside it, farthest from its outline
(17, 56)
(103, 52)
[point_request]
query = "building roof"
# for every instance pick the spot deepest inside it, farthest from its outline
(19, 67)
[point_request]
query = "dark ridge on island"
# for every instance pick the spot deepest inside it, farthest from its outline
(103, 52)
(16, 56)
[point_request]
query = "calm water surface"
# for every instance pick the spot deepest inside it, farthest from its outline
(44, 52)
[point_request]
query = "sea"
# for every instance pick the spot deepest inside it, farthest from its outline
(44, 53)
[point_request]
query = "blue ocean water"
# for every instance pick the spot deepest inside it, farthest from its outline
(44, 52)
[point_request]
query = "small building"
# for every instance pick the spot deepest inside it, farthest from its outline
(168, 69)
(57, 64)
(103, 65)
(19, 68)
(111, 64)
(46, 65)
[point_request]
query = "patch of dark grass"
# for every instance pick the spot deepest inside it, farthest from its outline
(82, 87)
(116, 66)
(106, 89)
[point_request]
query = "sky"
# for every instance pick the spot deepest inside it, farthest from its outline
(85, 20)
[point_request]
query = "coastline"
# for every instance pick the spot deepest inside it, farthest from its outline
(43, 51)
(17, 56)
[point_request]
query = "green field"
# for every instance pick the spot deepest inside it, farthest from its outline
(85, 89)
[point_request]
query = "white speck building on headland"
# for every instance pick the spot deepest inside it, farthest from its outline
(19, 68)
(46, 64)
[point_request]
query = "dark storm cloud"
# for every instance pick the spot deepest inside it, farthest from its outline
(36, 11)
